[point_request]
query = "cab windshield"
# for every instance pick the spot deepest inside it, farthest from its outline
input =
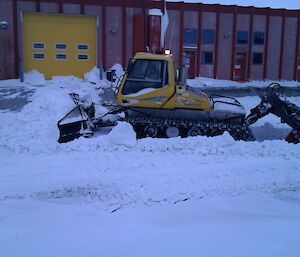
(143, 74)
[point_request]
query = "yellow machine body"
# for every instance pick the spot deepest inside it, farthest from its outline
(166, 95)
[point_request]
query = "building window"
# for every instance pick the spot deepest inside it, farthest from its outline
(190, 37)
(257, 58)
(61, 57)
(207, 58)
(83, 47)
(61, 46)
(208, 36)
(259, 38)
(242, 37)
(82, 57)
(38, 45)
(38, 56)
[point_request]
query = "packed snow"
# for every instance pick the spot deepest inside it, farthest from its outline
(93, 76)
(113, 195)
(34, 78)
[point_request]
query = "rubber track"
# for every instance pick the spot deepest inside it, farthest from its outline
(237, 129)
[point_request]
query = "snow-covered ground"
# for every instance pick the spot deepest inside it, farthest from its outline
(114, 196)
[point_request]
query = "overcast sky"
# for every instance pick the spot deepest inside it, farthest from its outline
(288, 4)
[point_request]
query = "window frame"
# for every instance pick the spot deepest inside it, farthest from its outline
(195, 44)
(144, 83)
(39, 59)
(43, 43)
(87, 49)
(78, 59)
(59, 49)
(262, 58)
(208, 42)
(259, 32)
(237, 37)
(61, 59)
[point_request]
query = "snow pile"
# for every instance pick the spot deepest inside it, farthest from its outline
(123, 134)
(119, 69)
(34, 129)
(93, 76)
(203, 82)
(34, 78)
(155, 12)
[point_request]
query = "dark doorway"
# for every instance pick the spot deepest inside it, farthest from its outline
(240, 66)
(190, 60)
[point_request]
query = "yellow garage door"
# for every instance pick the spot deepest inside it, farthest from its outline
(59, 45)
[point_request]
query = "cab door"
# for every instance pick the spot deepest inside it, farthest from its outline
(147, 84)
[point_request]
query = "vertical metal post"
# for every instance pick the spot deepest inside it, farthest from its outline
(38, 5)
(82, 7)
(217, 43)
(250, 45)
(104, 35)
(233, 43)
(282, 45)
(297, 48)
(199, 40)
(124, 22)
(266, 55)
(181, 33)
(16, 38)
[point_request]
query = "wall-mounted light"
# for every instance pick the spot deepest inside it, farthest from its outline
(227, 34)
(3, 24)
(113, 30)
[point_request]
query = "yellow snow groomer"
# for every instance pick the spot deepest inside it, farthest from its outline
(158, 103)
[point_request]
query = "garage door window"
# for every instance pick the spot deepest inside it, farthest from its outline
(38, 56)
(61, 57)
(38, 45)
(83, 57)
(82, 47)
(61, 46)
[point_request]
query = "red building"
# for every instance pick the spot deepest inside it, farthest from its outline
(223, 42)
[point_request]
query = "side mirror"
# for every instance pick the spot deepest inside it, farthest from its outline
(176, 75)
(111, 75)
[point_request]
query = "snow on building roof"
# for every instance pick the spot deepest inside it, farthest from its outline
(287, 4)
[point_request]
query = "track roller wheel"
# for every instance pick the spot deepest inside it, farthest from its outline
(193, 132)
(294, 137)
(151, 131)
(172, 132)
(242, 134)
